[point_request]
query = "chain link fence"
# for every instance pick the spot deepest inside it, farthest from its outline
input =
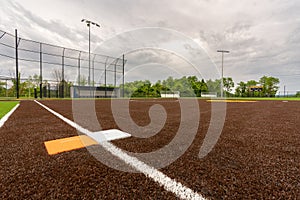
(34, 69)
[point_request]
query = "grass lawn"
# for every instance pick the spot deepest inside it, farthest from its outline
(6, 106)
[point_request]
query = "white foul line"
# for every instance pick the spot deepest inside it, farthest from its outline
(5, 117)
(169, 184)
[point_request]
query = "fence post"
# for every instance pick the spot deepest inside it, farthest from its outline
(17, 64)
(105, 78)
(79, 68)
(115, 82)
(58, 89)
(49, 95)
(41, 72)
(123, 74)
(93, 65)
(79, 73)
(63, 74)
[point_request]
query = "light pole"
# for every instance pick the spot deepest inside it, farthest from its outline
(222, 51)
(88, 23)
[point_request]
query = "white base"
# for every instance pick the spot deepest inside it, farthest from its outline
(108, 135)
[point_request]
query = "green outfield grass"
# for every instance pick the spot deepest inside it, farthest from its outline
(6, 106)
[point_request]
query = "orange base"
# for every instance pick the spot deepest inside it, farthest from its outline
(68, 144)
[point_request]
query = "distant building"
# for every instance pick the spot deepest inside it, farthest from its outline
(257, 88)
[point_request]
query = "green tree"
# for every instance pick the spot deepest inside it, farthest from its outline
(214, 86)
(187, 86)
(250, 84)
(241, 90)
(270, 85)
(12, 90)
(146, 90)
(29, 85)
(195, 85)
(2, 89)
(228, 84)
(203, 86)
(131, 87)
(183, 85)
(297, 94)
(169, 83)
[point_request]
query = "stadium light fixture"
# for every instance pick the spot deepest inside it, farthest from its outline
(222, 51)
(89, 23)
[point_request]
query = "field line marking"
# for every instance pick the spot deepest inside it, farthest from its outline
(5, 117)
(169, 184)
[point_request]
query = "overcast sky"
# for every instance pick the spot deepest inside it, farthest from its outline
(263, 36)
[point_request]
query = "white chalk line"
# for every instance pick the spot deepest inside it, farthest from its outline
(5, 117)
(169, 184)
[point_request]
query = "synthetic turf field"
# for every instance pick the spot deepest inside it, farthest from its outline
(257, 155)
(6, 106)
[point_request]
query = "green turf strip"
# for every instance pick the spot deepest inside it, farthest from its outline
(6, 106)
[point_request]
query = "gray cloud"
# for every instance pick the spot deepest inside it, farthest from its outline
(263, 36)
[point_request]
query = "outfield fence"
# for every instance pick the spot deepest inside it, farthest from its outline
(30, 68)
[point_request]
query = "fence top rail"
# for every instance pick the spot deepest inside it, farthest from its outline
(61, 47)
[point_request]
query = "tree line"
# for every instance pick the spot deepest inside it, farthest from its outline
(191, 86)
(26, 88)
(188, 86)
(269, 87)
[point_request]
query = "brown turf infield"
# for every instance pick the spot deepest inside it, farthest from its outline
(256, 157)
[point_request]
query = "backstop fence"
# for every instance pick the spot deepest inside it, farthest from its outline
(34, 69)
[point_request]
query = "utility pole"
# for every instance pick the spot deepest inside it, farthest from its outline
(222, 51)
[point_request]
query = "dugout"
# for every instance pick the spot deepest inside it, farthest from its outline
(94, 92)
